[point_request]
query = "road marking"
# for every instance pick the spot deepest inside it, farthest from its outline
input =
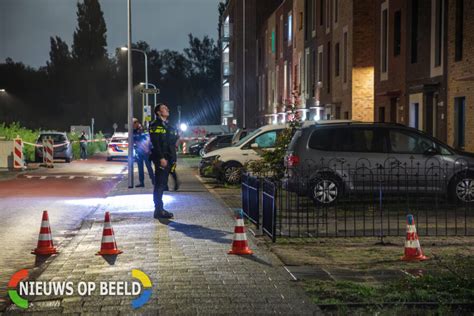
(99, 178)
(58, 177)
(29, 177)
(43, 177)
(86, 177)
(71, 177)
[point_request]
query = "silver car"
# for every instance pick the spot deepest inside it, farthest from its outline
(62, 146)
(327, 160)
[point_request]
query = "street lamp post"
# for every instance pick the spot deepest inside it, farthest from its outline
(130, 96)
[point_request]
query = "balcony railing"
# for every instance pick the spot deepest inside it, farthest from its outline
(227, 108)
(227, 69)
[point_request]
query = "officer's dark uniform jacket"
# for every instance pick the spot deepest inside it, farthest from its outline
(163, 139)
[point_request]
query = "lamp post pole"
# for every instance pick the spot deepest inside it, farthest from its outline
(130, 96)
(146, 74)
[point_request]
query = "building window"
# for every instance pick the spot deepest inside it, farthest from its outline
(313, 76)
(459, 30)
(382, 114)
(273, 42)
(346, 115)
(338, 112)
(459, 122)
(336, 60)
(313, 16)
(320, 63)
(328, 15)
(439, 11)
(321, 12)
(328, 71)
(336, 11)
(414, 31)
(280, 37)
(384, 41)
(397, 35)
(344, 64)
(285, 81)
(300, 26)
(290, 28)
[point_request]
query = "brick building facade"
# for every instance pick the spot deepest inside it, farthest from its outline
(460, 60)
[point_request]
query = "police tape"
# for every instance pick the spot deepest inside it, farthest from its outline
(67, 143)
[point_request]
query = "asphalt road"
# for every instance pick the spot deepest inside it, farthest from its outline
(68, 192)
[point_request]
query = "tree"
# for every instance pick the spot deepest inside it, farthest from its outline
(92, 67)
(90, 40)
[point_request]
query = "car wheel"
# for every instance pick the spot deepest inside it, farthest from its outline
(325, 190)
(462, 188)
(201, 152)
(233, 173)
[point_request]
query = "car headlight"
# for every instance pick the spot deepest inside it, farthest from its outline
(211, 158)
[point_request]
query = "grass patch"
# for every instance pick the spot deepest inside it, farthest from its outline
(450, 284)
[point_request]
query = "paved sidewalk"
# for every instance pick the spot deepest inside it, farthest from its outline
(186, 259)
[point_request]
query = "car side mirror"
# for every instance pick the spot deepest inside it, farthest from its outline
(254, 146)
(431, 151)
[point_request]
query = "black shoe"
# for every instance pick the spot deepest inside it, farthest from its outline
(141, 185)
(163, 214)
(176, 187)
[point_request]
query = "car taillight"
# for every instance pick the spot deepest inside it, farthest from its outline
(292, 160)
(111, 146)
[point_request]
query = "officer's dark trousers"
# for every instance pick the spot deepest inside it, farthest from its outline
(161, 182)
(142, 158)
(83, 147)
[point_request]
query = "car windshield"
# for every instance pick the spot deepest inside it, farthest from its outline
(120, 140)
(246, 138)
(57, 138)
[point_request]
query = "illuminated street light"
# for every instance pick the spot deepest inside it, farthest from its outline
(3, 90)
(183, 127)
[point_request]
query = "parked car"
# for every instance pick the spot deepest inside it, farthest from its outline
(327, 160)
(217, 142)
(195, 148)
(62, 146)
(230, 160)
(241, 133)
(118, 146)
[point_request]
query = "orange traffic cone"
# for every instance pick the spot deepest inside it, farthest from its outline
(240, 244)
(413, 250)
(108, 245)
(45, 242)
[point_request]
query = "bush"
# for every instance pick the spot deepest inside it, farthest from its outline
(92, 147)
(10, 132)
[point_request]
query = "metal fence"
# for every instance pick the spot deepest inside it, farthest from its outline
(251, 198)
(372, 200)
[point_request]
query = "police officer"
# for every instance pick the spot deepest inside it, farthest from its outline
(163, 155)
(142, 146)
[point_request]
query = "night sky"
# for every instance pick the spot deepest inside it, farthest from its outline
(26, 25)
